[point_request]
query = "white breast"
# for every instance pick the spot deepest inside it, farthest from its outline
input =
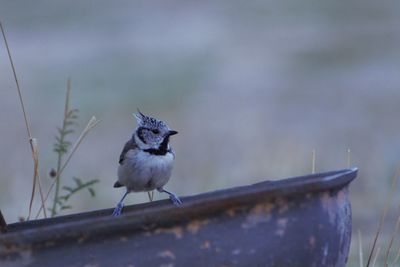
(142, 171)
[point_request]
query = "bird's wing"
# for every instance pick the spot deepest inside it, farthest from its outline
(128, 146)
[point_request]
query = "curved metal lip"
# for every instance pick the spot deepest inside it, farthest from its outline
(162, 213)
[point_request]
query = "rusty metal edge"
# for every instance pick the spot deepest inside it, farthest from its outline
(3, 224)
(162, 213)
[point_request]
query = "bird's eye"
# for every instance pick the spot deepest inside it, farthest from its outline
(155, 131)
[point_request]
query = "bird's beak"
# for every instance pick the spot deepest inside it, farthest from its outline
(172, 132)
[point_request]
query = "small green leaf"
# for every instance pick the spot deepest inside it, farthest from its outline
(70, 112)
(65, 144)
(66, 207)
(93, 181)
(92, 192)
(66, 132)
(77, 181)
(70, 123)
(68, 188)
(60, 130)
(49, 209)
(64, 198)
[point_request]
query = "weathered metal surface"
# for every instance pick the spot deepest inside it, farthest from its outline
(3, 225)
(303, 221)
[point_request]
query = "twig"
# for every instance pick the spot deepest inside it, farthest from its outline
(31, 139)
(385, 210)
(92, 123)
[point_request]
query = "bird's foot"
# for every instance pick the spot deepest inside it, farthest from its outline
(175, 199)
(118, 209)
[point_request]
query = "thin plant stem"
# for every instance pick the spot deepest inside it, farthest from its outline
(92, 123)
(360, 250)
(396, 259)
(60, 154)
(42, 197)
(313, 162)
(35, 153)
(16, 82)
(348, 158)
(376, 256)
(392, 240)
(31, 139)
(383, 217)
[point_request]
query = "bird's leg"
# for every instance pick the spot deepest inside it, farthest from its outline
(174, 198)
(118, 209)
(151, 195)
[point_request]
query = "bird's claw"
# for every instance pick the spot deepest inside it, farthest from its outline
(118, 209)
(175, 199)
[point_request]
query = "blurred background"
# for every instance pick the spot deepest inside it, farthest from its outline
(252, 87)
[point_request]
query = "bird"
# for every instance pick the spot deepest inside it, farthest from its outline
(146, 161)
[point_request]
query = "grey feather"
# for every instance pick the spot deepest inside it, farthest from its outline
(128, 146)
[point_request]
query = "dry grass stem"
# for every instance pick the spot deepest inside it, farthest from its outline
(360, 250)
(396, 259)
(16, 82)
(35, 149)
(35, 174)
(36, 177)
(41, 197)
(91, 124)
(376, 256)
(32, 141)
(313, 162)
(348, 158)
(383, 217)
(393, 237)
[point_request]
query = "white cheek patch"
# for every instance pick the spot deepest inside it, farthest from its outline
(150, 145)
(140, 143)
